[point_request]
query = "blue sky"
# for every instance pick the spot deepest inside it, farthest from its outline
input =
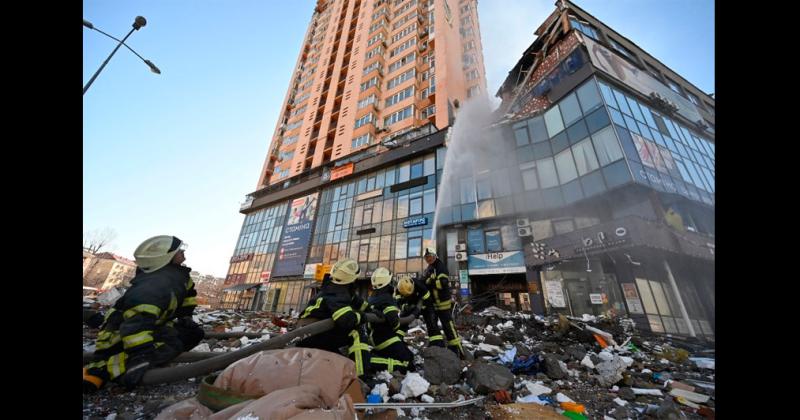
(176, 153)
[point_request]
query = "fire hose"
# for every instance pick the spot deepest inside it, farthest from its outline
(212, 362)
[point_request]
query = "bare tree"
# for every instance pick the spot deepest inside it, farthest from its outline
(95, 240)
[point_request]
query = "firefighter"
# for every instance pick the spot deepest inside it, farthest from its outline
(151, 323)
(437, 280)
(389, 352)
(413, 297)
(337, 300)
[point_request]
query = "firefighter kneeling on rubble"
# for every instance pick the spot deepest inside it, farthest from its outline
(413, 297)
(337, 300)
(151, 323)
(437, 278)
(389, 352)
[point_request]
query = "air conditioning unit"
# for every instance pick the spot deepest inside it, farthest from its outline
(461, 247)
(461, 256)
(524, 231)
(523, 222)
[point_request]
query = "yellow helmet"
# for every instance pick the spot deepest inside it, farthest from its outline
(405, 286)
(380, 278)
(345, 271)
(156, 252)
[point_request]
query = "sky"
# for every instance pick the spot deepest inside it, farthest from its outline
(176, 153)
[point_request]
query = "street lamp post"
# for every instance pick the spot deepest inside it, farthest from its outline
(138, 23)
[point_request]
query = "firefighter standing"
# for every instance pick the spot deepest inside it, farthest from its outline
(338, 301)
(389, 352)
(151, 323)
(437, 279)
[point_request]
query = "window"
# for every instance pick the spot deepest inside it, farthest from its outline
(570, 109)
(494, 242)
(289, 140)
(472, 74)
(404, 19)
(474, 90)
(521, 135)
(373, 52)
(405, 172)
(416, 170)
(674, 86)
(552, 119)
(298, 111)
(399, 96)
(402, 62)
(467, 191)
(294, 125)
(428, 112)
(588, 96)
(402, 47)
(361, 141)
(399, 116)
(415, 205)
(622, 50)
(366, 119)
(566, 166)
(468, 60)
(585, 159)
(374, 39)
(392, 83)
(528, 171)
(367, 101)
(407, 30)
(484, 187)
(695, 100)
(607, 146)
(285, 155)
(469, 46)
(371, 67)
(414, 247)
(584, 28)
(429, 201)
(405, 7)
(546, 170)
(369, 83)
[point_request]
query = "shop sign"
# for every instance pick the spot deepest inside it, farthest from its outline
(602, 240)
(497, 263)
(555, 293)
(417, 221)
(342, 171)
(632, 298)
(309, 271)
(596, 298)
(265, 275)
(464, 291)
(370, 194)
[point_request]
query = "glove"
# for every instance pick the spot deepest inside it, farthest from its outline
(136, 368)
(186, 322)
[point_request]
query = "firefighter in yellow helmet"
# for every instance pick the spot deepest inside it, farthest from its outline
(151, 323)
(413, 298)
(437, 278)
(337, 300)
(389, 352)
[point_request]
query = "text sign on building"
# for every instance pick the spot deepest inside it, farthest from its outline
(296, 237)
(555, 293)
(342, 171)
(418, 221)
(596, 298)
(463, 275)
(310, 270)
(497, 263)
(632, 298)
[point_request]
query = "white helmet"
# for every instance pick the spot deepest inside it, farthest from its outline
(380, 278)
(429, 251)
(345, 271)
(157, 252)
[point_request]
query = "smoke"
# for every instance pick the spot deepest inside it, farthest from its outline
(472, 149)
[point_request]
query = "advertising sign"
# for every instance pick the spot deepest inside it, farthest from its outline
(296, 237)
(555, 294)
(632, 298)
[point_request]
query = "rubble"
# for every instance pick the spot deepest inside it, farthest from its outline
(539, 362)
(485, 377)
(441, 366)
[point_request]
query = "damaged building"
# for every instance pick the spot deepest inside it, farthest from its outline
(609, 208)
